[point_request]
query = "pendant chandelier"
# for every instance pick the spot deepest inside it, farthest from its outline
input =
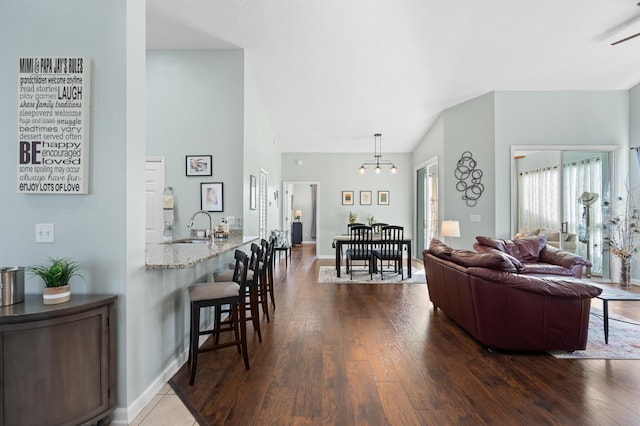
(377, 154)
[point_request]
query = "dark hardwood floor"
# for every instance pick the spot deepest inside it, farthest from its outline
(379, 355)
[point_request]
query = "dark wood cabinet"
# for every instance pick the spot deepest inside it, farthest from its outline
(296, 233)
(57, 361)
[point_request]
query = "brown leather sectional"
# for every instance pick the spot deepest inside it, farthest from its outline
(504, 308)
(533, 256)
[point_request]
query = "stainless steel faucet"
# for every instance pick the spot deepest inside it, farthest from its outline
(190, 224)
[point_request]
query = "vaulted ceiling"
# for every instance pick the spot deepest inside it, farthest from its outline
(334, 72)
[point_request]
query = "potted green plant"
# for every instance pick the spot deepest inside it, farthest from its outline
(56, 275)
(353, 217)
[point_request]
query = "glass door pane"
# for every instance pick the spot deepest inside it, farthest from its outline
(586, 185)
(562, 195)
(421, 211)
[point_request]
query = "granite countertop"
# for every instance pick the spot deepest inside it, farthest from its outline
(178, 255)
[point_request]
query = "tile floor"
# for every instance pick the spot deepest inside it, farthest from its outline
(165, 409)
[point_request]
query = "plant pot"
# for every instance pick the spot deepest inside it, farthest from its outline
(53, 295)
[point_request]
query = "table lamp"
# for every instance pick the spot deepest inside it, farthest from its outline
(297, 215)
(450, 229)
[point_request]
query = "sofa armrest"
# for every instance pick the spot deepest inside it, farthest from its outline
(555, 256)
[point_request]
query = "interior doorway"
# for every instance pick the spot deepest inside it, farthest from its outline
(300, 205)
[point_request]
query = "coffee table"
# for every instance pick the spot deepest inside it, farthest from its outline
(612, 294)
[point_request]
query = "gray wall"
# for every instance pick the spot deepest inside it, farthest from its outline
(469, 127)
(560, 119)
(489, 125)
(339, 172)
(91, 228)
(261, 152)
(187, 117)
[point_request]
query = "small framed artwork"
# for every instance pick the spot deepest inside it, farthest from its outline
(383, 198)
(347, 198)
(199, 165)
(252, 192)
(211, 197)
(365, 198)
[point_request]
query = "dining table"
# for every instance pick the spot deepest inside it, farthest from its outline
(341, 240)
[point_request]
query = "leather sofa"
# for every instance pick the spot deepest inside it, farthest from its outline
(533, 256)
(505, 310)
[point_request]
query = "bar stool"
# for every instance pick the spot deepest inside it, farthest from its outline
(265, 262)
(269, 270)
(253, 298)
(231, 293)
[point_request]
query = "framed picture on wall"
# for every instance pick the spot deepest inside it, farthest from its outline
(211, 197)
(252, 192)
(199, 165)
(365, 198)
(383, 198)
(347, 198)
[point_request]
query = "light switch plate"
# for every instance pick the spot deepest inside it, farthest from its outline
(45, 233)
(475, 218)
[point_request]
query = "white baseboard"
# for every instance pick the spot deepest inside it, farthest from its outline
(124, 416)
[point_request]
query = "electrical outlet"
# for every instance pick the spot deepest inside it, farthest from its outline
(45, 233)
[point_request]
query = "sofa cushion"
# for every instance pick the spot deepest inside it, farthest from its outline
(440, 249)
(538, 268)
(492, 260)
(525, 249)
(551, 235)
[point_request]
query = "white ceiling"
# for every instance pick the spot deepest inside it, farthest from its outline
(334, 72)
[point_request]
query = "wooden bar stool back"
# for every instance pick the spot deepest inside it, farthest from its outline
(231, 293)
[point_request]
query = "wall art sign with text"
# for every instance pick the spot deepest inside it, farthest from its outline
(53, 125)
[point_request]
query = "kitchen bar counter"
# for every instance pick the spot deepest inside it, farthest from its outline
(176, 255)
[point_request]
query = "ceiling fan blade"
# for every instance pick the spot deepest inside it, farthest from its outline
(625, 39)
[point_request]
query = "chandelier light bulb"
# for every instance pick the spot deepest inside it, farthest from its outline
(394, 169)
(362, 169)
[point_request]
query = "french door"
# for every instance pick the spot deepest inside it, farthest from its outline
(426, 205)
(564, 195)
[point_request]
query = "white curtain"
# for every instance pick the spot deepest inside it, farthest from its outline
(579, 177)
(538, 199)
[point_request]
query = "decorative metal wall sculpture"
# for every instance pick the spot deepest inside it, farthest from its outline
(469, 178)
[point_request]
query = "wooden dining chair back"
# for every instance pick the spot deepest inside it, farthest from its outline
(268, 262)
(218, 294)
(359, 248)
(263, 285)
(223, 313)
(377, 227)
(253, 294)
(390, 250)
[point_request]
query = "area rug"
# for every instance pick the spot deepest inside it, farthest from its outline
(327, 275)
(624, 339)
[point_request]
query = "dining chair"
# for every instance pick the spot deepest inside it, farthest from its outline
(377, 227)
(349, 226)
(390, 249)
(359, 248)
(231, 293)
